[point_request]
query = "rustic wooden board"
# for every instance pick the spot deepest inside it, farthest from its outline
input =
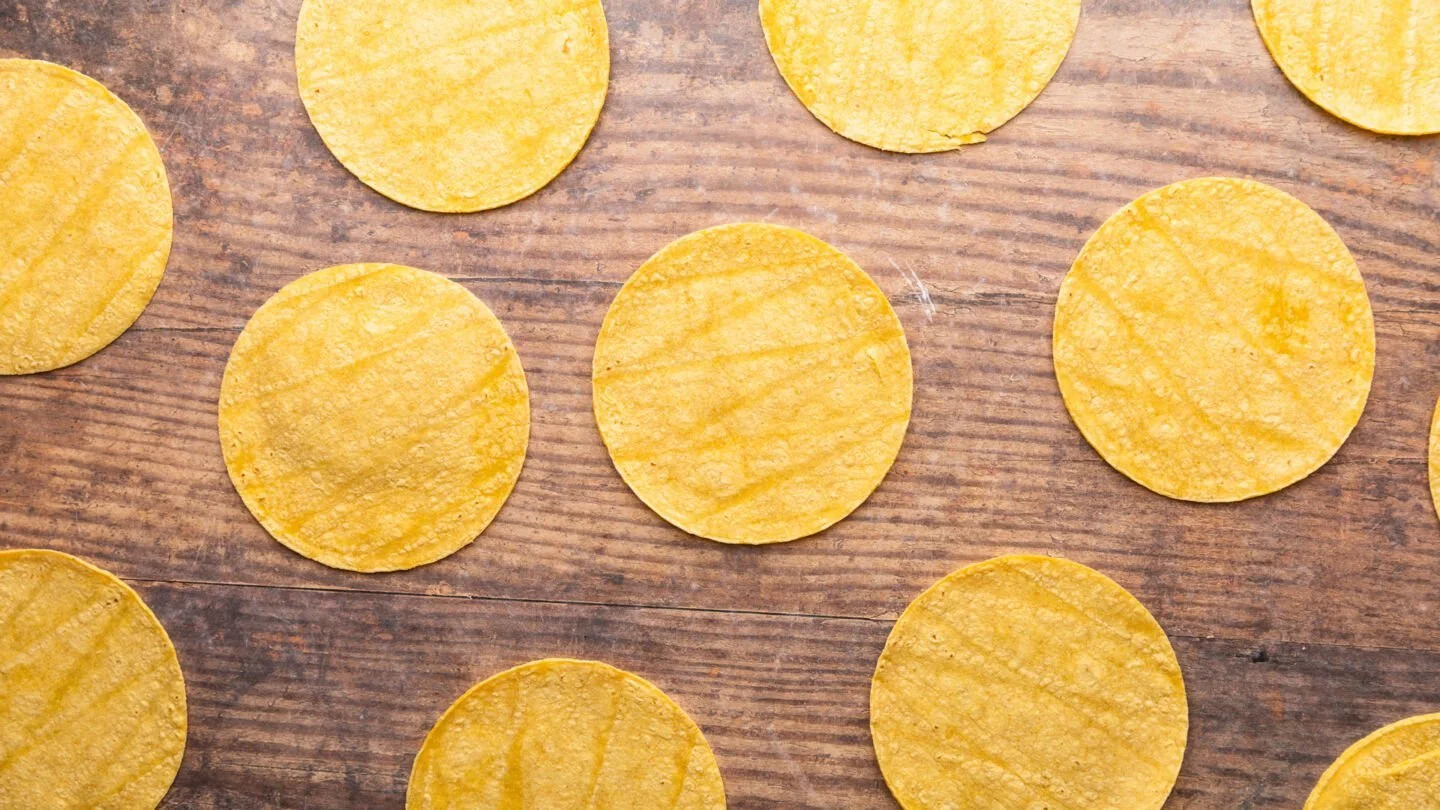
(319, 699)
(312, 687)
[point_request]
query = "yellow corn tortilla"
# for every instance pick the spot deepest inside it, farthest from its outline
(1028, 681)
(752, 384)
(92, 700)
(1434, 458)
(374, 417)
(1395, 768)
(448, 106)
(562, 734)
(917, 77)
(87, 216)
(1374, 63)
(1214, 340)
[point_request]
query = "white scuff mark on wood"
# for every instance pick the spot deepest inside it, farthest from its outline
(805, 788)
(918, 290)
(805, 791)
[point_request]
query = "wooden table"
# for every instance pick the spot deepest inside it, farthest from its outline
(1303, 620)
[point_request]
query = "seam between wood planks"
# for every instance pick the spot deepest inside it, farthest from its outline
(993, 298)
(777, 614)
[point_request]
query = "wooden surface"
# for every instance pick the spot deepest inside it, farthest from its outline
(1303, 620)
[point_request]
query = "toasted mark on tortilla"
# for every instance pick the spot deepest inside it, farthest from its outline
(448, 106)
(1214, 340)
(92, 701)
(1028, 681)
(87, 216)
(752, 384)
(917, 77)
(565, 734)
(1395, 768)
(1374, 63)
(374, 417)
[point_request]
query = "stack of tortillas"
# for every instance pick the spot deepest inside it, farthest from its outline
(92, 702)
(560, 733)
(374, 417)
(1374, 63)
(453, 106)
(1028, 682)
(87, 212)
(1214, 340)
(752, 384)
(917, 77)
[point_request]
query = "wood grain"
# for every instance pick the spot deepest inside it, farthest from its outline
(320, 699)
(306, 692)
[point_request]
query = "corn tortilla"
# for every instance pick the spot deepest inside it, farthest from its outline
(87, 216)
(917, 77)
(752, 384)
(92, 700)
(1214, 340)
(448, 106)
(1433, 465)
(1374, 63)
(1395, 768)
(1028, 681)
(374, 417)
(563, 734)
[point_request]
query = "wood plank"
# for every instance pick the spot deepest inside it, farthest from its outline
(699, 129)
(318, 699)
(117, 459)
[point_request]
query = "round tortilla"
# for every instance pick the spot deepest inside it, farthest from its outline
(1374, 63)
(448, 106)
(565, 734)
(374, 417)
(1395, 768)
(752, 384)
(1434, 459)
(92, 700)
(87, 217)
(917, 77)
(1214, 340)
(1028, 681)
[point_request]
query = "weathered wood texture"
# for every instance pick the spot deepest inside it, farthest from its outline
(320, 699)
(312, 687)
